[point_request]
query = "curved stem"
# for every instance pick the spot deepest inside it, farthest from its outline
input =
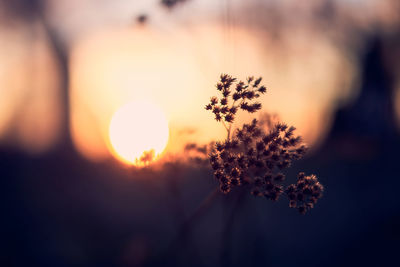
(227, 129)
(228, 229)
(188, 225)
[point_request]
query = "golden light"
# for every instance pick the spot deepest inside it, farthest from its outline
(138, 133)
(177, 70)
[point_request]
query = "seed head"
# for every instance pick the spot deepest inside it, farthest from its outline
(256, 152)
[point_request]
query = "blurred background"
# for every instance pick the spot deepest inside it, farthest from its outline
(332, 69)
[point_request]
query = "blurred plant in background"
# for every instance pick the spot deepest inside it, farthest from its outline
(171, 3)
(252, 157)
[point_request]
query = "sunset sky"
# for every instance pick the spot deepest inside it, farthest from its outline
(172, 61)
(111, 152)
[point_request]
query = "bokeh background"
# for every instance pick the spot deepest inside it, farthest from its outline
(332, 68)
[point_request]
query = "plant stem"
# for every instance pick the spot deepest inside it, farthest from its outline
(187, 226)
(227, 129)
(228, 229)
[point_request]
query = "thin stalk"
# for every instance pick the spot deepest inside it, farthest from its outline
(188, 225)
(226, 240)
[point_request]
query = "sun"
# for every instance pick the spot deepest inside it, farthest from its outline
(138, 133)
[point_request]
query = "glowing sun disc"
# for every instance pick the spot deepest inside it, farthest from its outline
(138, 133)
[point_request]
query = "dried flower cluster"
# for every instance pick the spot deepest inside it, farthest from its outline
(305, 193)
(242, 97)
(146, 157)
(254, 157)
(198, 154)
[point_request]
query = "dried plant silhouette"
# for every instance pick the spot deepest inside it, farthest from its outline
(146, 157)
(253, 158)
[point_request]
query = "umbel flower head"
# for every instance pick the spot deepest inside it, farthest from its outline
(253, 157)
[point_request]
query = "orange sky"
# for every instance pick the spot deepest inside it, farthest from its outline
(29, 97)
(173, 62)
(178, 70)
